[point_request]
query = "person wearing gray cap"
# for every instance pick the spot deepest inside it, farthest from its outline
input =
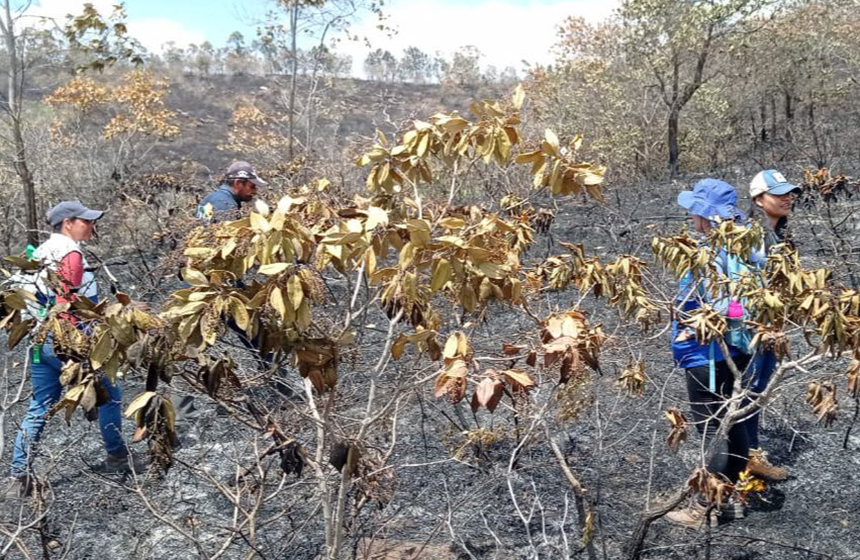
(239, 185)
(772, 199)
(61, 254)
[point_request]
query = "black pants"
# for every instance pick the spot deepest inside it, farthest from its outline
(264, 361)
(708, 410)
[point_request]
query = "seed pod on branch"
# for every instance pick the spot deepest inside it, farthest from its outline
(293, 458)
(155, 418)
(633, 379)
(678, 431)
(822, 398)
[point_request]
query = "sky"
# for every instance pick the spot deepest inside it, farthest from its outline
(505, 31)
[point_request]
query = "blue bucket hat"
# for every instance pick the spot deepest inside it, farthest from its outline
(712, 199)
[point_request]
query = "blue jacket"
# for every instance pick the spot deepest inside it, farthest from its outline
(222, 200)
(689, 353)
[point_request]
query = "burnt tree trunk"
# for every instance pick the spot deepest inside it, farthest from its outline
(294, 63)
(753, 127)
(677, 96)
(789, 115)
(29, 185)
(773, 125)
(13, 108)
(820, 160)
(672, 141)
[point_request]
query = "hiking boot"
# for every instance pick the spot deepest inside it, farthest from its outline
(759, 466)
(121, 463)
(18, 487)
(694, 516)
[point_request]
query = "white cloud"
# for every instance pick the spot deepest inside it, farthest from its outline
(152, 33)
(506, 32)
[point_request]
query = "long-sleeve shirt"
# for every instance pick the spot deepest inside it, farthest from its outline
(686, 350)
(224, 204)
(71, 272)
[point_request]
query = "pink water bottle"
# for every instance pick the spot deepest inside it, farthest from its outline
(736, 310)
(735, 323)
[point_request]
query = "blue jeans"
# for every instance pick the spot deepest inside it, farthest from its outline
(45, 377)
(756, 378)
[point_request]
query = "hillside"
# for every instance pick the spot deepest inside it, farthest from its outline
(454, 342)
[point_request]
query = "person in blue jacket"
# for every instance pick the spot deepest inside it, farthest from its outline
(239, 185)
(708, 376)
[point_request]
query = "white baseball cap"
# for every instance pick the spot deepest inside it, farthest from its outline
(772, 182)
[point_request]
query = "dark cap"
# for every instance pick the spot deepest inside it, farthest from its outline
(243, 170)
(72, 209)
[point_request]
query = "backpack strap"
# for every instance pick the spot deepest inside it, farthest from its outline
(734, 267)
(712, 368)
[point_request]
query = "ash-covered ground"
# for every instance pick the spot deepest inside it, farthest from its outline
(443, 498)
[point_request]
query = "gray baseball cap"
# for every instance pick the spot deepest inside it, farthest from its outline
(72, 209)
(244, 170)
